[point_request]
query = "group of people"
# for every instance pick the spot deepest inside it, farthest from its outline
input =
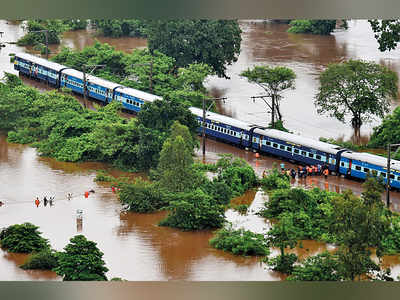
(304, 171)
(46, 201)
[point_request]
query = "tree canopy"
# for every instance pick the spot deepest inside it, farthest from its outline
(322, 27)
(213, 42)
(357, 89)
(387, 33)
(273, 81)
(81, 260)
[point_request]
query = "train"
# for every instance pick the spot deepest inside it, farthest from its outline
(292, 147)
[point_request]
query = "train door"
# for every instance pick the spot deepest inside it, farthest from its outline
(349, 170)
(260, 144)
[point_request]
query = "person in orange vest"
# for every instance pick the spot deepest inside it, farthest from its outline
(113, 189)
(326, 172)
(315, 170)
(37, 201)
(86, 194)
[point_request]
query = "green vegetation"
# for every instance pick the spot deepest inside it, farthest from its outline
(388, 132)
(212, 42)
(179, 85)
(55, 28)
(81, 260)
(43, 260)
(274, 81)
(240, 242)
(341, 95)
(387, 33)
(321, 267)
(23, 238)
(322, 27)
(101, 175)
(275, 180)
(62, 129)
(241, 208)
(121, 27)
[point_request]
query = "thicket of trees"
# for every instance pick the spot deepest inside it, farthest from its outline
(321, 27)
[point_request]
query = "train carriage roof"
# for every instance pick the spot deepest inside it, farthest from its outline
(138, 94)
(92, 79)
(299, 140)
(372, 159)
(221, 118)
(40, 61)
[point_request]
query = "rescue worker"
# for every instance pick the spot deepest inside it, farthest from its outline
(326, 172)
(315, 170)
(288, 173)
(282, 166)
(51, 201)
(1, 203)
(300, 171)
(69, 196)
(264, 174)
(37, 201)
(45, 201)
(319, 169)
(293, 173)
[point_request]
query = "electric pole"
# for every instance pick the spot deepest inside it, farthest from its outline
(84, 68)
(389, 148)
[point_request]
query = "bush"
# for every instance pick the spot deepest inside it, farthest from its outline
(283, 264)
(194, 211)
(241, 208)
(240, 242)
(321, 267)
(101, 175)
(323, 27)
(43, 260)
(142, 196)
(275, 180)
(23, 238)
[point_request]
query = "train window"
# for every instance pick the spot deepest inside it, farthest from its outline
(342, 164)
(311, 155)
(383, 174)
(296, 151)
(366, 170)
(275, 145)
(289, 149)
(318, 157)
(303, 153)
(268, 143)
(391, 176)
(282, 147)
(358, 168)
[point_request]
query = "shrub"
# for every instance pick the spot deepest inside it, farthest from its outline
(275, 180)
(24, 238)
(142, 196)
(194, 211)
(101, 175)
(283, 263)
(43, 260)
(240, 242)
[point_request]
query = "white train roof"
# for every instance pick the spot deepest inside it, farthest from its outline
(41, 61)
(92, 79)
(299, 140)
(372, 159)
(138, 94)
(221, 118)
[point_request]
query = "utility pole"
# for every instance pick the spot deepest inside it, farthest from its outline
(204, 119)
(272, 107)
(84, 68)
(389, 148)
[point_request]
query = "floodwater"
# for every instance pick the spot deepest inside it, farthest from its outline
(134, 247)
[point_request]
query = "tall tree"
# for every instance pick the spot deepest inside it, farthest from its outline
(387, 33)
(274, 81)
(213, 42)
(356, 88)
(81, 261)
(322, 27)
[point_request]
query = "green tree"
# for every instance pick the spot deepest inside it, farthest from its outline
(213, 42)
(282, 235)
(274, 81)
(194, 210)
(43, 260)
(54, 26)
(121, 27)
(322, 27)
(356, 88)
(388, 132)
(357, 227)
(387, 33)
(321, 267)
(175, 165)
(23, 238)
(81, 260)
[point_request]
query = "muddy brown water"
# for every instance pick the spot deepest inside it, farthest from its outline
(134, 247)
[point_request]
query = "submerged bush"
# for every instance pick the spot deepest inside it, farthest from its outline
(275, 180)
(240, 242)
(23, 238)
(101, 175)
(283, 263)
(43, 260)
